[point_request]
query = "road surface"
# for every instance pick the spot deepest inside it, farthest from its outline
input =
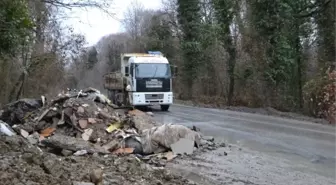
(264, 149)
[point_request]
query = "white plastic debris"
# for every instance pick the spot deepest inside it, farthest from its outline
(80, 152)
(6, 129)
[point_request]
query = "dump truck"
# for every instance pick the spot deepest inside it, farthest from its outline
(144, 79)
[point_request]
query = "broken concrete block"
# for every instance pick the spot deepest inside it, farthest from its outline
(183, 146)
(80, 152)
(80, 110)
(33, 138)
(83, 123)
(87, 134)
(96, 176)
(92, 120)
(24, 133)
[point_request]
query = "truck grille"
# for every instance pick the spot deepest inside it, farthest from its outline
(153, 96)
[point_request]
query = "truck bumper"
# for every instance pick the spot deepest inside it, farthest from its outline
(151, 98)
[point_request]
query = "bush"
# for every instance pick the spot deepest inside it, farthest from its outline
(320, 96)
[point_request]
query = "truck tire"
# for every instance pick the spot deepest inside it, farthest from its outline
(164, 107)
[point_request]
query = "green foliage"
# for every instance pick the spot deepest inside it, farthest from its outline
(190, 21)
(224, 11)
(15, 24)
(160, 36)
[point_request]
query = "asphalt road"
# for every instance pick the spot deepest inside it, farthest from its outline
(287, 151)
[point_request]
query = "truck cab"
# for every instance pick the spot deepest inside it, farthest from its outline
(147, 79)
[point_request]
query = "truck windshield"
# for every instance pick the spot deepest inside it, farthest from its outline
(153, 70)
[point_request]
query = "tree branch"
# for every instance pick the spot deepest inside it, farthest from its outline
(316, 9)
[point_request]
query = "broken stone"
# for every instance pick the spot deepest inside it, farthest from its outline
(92, 120)
(66, 152)
(87, 134)
(170, 156)
(96, 176)
(142, 120)
(80, 152)
(83, 123)
(33, 138)
(204, 142)
(150, 113)
(80, 110)
(159, 139)
(183, 146)
(24, 133)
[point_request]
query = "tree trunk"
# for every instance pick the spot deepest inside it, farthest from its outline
(231, 68)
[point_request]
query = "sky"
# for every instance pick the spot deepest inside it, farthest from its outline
(95, 24)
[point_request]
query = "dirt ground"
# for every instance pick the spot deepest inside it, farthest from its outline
(25, 164)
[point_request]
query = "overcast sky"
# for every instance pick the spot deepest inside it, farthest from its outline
(95, 24)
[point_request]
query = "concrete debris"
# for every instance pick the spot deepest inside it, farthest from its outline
(83, 123)
(24, 133)
(33, 138)
(183, 146)
(96, 176)
(86, 123)
(159, 139)
(80, 152)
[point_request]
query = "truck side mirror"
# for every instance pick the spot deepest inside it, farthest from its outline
(126, 71)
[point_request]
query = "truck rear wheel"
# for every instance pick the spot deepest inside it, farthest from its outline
(164, 107)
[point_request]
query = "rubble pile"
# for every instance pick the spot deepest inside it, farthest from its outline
(87, 124)
(24, 164)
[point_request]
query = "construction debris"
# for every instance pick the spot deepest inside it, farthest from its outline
(86, 122)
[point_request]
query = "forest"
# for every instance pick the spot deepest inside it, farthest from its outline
(253, 53)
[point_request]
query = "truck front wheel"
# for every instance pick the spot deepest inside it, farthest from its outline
(164, 107)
